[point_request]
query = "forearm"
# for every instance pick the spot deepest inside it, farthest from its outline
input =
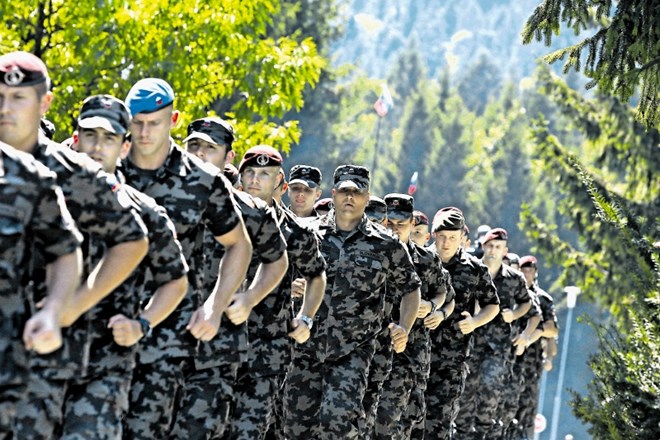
(165, 300)
(520, 309)
(62, 281)
(486, 314)
(313, 295)
(268, 278)
(449, 308)
(408, 309)
(532, 325)
(233, 268)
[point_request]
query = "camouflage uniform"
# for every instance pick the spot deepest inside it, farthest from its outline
(195, 195)
(410, 369)
(532, 367)
(450, 347)
(32, 213)
(208, 391)
(103, 211)
(327, 382)
(490, 363)
(261, 378)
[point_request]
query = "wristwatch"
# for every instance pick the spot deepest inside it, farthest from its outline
(145, 325)
(309, 322)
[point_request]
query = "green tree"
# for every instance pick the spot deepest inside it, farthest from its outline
(216, 53)
(480, 84)
(621, 57)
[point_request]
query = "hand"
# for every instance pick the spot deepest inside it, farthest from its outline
(125, 331)
(399, 337)
(547, 364)
(298, 287)
(434, 319)
(425, 308)
(467, 325)
(42, 333)
(204, 323)
(520, 342)
(507, 315)
(239, 309)
(300, 331)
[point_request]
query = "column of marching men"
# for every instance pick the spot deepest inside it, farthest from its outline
(153, 290)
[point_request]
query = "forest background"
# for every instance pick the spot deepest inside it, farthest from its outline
(563, 158)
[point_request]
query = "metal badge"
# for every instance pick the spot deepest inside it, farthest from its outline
(262, 160)
(14, 77)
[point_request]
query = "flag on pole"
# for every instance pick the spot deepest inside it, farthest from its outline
(412, 187)
(384, 102)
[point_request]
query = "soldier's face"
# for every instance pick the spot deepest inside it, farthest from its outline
(447, 243)
(494, 251)
(261, 182)
(151, 131)
(21, 108)
(302, 197)
(402, 228)
(350, 203)
(420, 235)
(212, 153)
(102, 146)
(530, 275)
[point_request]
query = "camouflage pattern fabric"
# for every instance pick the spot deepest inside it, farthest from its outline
(361, 263)
(472, 285)
(32, 213)
(255, 405)
(379, 371)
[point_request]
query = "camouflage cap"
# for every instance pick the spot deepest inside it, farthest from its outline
(106, 112)
(306, 175)
(448, 219)
(399, 206)
(351, 176)
(212, 130)
(376, 209)
(149, 95)
(260, 156)
(495, 234)
(22, 69)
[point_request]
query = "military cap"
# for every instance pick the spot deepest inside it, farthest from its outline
(513, 258)
(482, 230)
(399, 206)
(376, 209)
(448, 219)
(324, 205)
(495, 234)
(351, 176)
(260, 156)
(106, 112)
(528, 261)
(420, 218)
(149, 95)
(212, 130)
(306, 175)
(22, 69)
(231, 173)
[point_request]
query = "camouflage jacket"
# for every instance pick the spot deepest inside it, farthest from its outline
(196, 195)
(268, 245)
(32, 214)
(473, 285)
(360, 264)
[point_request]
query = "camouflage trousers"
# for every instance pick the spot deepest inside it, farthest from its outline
(324, 399)
(394, 399)
(528, 402)
(511, 396)
(379, 370)
(154, 393)
(76, 409)
(445, 386)
(256, 398)
(415, 414)
(203, 410)
(13, 379)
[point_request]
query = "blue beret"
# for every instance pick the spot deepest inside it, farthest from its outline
(149, 95)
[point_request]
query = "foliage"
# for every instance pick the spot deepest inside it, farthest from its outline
(622, 56)
(208, 52)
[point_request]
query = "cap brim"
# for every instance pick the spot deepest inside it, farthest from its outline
(201, 136)
(397, 215)
(101, 122)
(349, 184)
(307, 183)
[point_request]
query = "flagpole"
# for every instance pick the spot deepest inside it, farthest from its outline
(376, 148)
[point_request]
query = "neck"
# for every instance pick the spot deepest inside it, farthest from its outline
(152, 161)
(344, 224)
(494, 267)
(29, 144)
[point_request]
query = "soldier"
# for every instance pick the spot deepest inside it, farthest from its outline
(478, 250)
(208, 392)
(32, 210)
(326, 384)
(531, 362)
(402, 404)
(450, 345)
(196, 196)
(272, 325)
(304, 190)
(376, 210)
(96, 405)
(420, 234)
(492, 356)
(323, 206)
(102, 212)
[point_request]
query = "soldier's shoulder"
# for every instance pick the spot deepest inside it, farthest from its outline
(26, 164)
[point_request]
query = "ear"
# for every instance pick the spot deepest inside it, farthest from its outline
(46, 100)
(229, 157)
(125, 149)
(176, 115)
(318, 194)
(74, 144)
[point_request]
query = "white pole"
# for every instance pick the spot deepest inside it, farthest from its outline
(544, 379)
(571, 300)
